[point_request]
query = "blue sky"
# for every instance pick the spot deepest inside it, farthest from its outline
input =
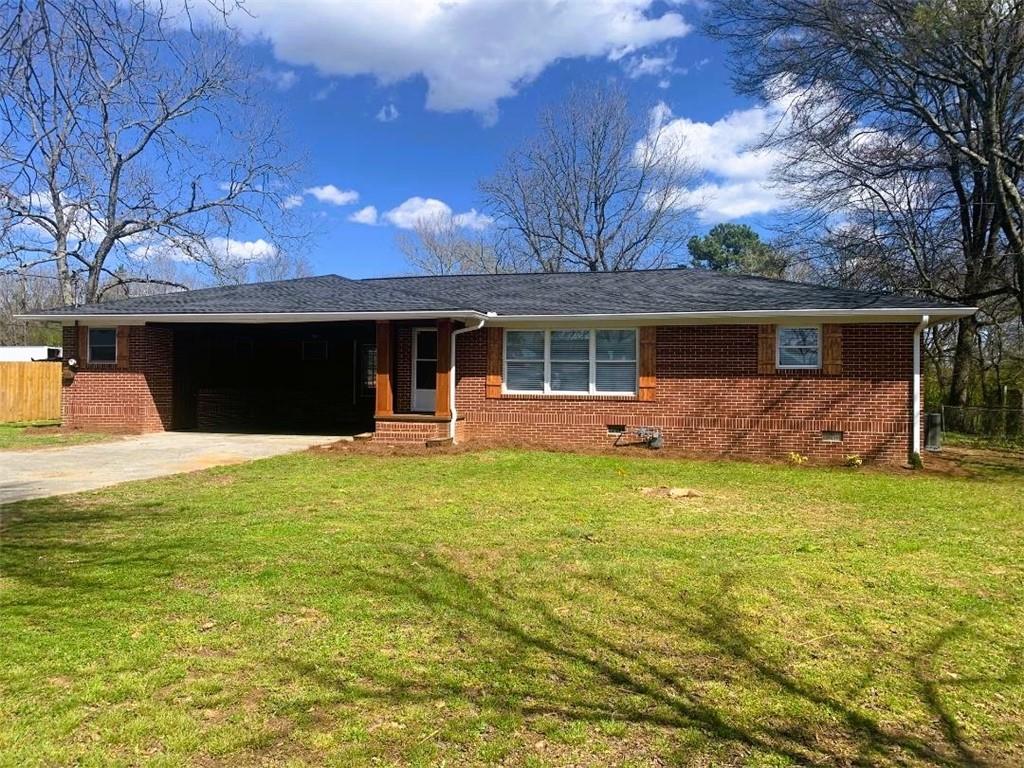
(416, 100)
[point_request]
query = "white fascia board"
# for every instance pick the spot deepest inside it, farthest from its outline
(746, 316)
(116, 318)
(908, 314)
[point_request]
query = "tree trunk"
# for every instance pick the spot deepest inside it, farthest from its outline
(962, 358)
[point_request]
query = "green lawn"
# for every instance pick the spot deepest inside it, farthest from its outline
(522, 608)
(43, 434)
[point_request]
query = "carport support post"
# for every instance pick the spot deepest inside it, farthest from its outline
(444, 365)
(385, 402)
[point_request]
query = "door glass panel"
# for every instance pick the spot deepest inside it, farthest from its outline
(426, 345)
(426, 374)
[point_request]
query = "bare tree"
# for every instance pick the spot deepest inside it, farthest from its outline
(26, 292)
(438, 245)
(597, 189)
(131, 133)
(897, 139)
(941, 81)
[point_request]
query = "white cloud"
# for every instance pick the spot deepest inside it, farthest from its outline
(292, 201)
(388, 113)
(470, 52)
(417, 209)
(226, 249)
(737, 180)
(322, 93)
(472, 219)
(649, 66)
(282, 79)
(367, 215)
(242, 250)
(328, 193)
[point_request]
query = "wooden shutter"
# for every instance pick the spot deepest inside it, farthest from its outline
(122, 346)
(766, 349)
(82, 353)
(495, 351)
(647, 373)
(832, 350)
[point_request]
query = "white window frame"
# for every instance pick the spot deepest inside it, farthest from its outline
(591, 391)
(778, 347)
(88, 345)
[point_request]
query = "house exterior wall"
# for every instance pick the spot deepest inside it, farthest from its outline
(136, 398)
(710, 399)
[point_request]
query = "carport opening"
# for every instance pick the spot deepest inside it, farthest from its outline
(313, 378)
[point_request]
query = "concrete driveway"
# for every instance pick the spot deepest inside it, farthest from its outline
(54, 471)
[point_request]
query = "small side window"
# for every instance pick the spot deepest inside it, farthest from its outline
(367, 369)
(102, 345)
(799, 347)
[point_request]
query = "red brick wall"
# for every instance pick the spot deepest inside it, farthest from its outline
(137, 398)
(710, 398)
(417, 432)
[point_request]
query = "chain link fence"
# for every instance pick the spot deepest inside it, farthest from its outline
(1000, 424)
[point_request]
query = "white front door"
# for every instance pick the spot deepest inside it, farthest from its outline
(424, 370)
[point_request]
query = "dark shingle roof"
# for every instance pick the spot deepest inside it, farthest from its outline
(328, 293)
(571, 293)
(656, 290)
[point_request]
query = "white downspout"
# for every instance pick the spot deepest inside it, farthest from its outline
(915, 447)
(451, 376)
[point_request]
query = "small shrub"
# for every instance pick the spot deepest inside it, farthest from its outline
(853, 460)
(915, 461)
(797, 459)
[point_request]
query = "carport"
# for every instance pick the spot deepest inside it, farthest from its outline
(277, 377)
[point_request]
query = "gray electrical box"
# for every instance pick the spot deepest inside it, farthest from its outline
(933, 431)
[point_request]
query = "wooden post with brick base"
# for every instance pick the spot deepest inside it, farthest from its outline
(444, 364)
(385, 402)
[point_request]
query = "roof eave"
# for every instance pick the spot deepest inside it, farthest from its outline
(935, 314)
(139, 318)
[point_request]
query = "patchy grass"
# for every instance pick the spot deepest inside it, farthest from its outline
(516, 607)
(44, 434)
(1005, 442)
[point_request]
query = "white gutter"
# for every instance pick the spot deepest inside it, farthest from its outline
(915, 409)
(301, 317)
(451, 376)
(907, 312)
(118, 318)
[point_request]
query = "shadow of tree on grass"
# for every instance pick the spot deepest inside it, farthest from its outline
(635, 682)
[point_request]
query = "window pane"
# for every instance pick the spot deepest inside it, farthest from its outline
(102, 345)
(570, 345)
(524, 377)
(426, 345)
(524, 345)
(798, 356)
(616, 345)
(616, 377)
(368, 368)
(798, 337)
(426, 374)
(570, 377)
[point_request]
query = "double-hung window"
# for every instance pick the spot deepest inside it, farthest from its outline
(102, 345)
(799, 347)
(571, 362)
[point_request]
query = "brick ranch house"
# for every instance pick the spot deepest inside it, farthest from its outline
(719, 364)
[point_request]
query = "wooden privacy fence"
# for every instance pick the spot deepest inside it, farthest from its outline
(29, 391)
